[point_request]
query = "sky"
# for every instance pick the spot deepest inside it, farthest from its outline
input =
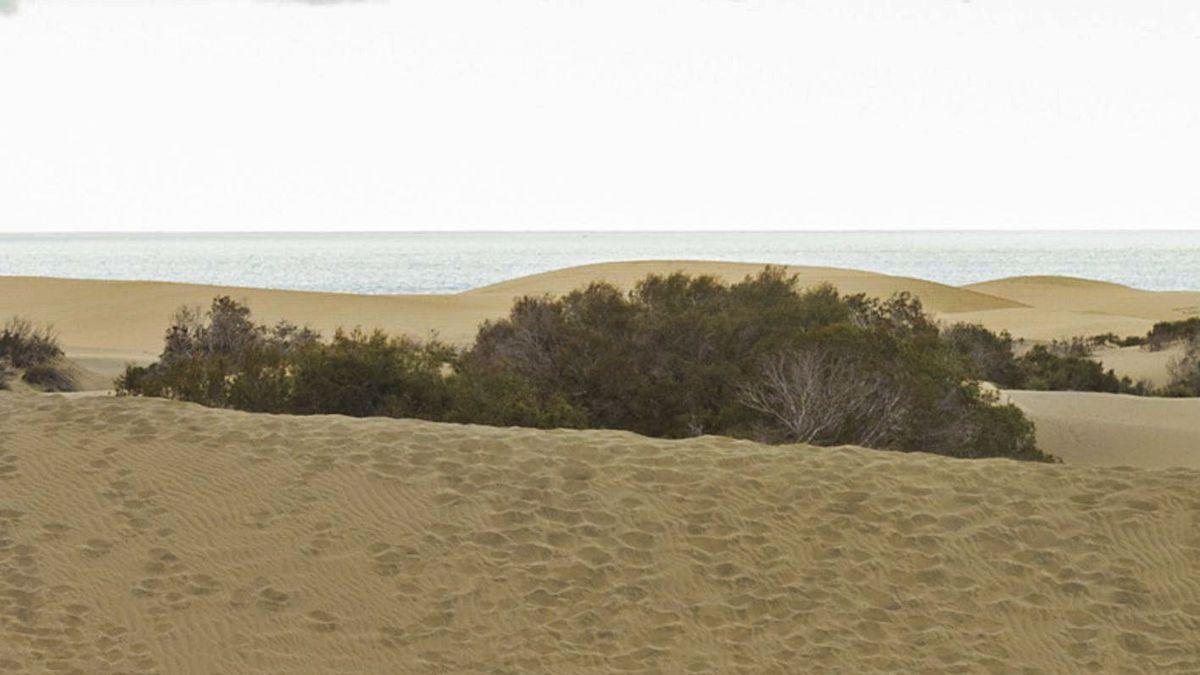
(170, 115)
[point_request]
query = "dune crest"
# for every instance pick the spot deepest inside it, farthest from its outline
(148, 535)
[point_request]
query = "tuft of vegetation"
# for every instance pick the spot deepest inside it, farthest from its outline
(1114, 340)
(1185, 373)
(1048, 369)
(677, 356)
(1165, 333)
(34, 350)
(989, 356)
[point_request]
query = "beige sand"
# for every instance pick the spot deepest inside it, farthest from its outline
(1088, 428)
(153, 536)
(105, 324)
(1141, 364)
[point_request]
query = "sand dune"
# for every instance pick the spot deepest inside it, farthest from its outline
(1096, 297)
(1087, 428)
(144, 535)
(105, 324)
(936, 297)
(1141, 364)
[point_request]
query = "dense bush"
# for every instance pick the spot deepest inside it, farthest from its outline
(23, 345)
(677, 356)
(1062, 365)
(1185, 373)
(990, 356)
(1114, 340)
(34, 350)
(1044, 369)
(1165, 333)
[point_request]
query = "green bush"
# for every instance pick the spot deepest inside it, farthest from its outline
(369, 374)
(23, 345)
(1165, 333)
(1185, 373)
(677, 356)
(1045, 370)
(50, 377)
(680, 356)
(34, 350)
(1112, 339)
(989, 355)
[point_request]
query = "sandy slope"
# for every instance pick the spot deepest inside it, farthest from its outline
(1141, 364)
(936, 297)
(1088, 428)
(1060, 307)
(105, 324)
(141, 535)
(1099, 297)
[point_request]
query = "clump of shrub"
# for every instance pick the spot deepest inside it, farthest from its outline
(679, 356)
(676, 356)
(1185, 373)
(1165, 333)
(1114, 340)
(34, 350)
(989, 356)
(1062, 365)
(1045, 369)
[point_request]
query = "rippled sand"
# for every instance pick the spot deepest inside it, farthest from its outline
(152, 536)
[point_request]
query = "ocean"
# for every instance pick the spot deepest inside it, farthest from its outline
(449, 262)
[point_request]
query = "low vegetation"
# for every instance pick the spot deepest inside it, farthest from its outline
(1059, 366)
(35, 352)
(1166, 333)
(676, 356)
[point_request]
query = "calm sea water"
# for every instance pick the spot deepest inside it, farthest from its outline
(383, 263)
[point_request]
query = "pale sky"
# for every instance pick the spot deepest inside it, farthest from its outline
(603, 114)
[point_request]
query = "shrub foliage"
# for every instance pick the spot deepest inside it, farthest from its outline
(676, 356)
(34, 350)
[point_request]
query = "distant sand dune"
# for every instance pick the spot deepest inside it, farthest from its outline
(1089, 428)
(153, 536)
(106, 324)
(1098, 297)
(103, 323)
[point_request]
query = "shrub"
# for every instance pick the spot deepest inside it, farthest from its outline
(222, 359)
(680, 356)
(507, 399)
(50, 377)
(369, 374)
(1048, 371)
(34, 350)
(1165, 333)
(1185, 373)
(23, 345)
(1112, 339)
(989, 355)
(676, 356)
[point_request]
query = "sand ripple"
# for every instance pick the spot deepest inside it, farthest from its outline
(150, 536)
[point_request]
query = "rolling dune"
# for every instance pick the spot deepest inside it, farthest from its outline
(146, 535)
(105, 324)
(1093, 429)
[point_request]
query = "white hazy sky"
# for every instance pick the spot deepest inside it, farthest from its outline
(603, 114)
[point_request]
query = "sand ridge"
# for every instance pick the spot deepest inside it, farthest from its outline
(149, 535)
